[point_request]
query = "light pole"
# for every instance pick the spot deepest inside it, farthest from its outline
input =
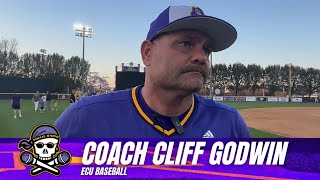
(290, 66)
(44, 52)
(84, 32)
(264, 85)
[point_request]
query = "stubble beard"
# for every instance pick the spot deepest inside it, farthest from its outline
(182, 82)
(188, 86)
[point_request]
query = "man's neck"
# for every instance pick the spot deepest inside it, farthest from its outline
(166, 103)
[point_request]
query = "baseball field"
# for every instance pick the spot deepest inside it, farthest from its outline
(265, 119)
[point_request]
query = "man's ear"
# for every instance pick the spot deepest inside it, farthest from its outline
(146, 52)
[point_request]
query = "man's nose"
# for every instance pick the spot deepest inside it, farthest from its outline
(200, 56)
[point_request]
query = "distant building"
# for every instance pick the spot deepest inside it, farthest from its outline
(129, 75)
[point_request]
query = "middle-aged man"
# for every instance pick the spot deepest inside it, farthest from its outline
(176, 55)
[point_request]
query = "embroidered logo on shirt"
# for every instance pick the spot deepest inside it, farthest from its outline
(208, 134)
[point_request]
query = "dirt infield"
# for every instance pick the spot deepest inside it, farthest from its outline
(299, 122)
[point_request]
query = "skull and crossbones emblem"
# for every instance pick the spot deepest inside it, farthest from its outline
(46, 155)
(46, 148)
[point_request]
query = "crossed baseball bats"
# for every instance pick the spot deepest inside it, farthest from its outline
(62, 158)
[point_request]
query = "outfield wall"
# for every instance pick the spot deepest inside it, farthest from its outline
(215, 98)
(260, 99)
(27, 85)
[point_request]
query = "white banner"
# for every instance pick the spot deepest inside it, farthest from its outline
(283, 99)
(251, 99)
(272, 99)
(207, 97)
(217, 98)
(296, 99)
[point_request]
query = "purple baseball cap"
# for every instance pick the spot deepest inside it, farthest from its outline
(175, 18)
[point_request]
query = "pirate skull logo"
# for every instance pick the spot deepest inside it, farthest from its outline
(44, 142)
(46, 148)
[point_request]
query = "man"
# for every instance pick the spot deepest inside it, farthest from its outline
(176, 55)
(15, 101)
(48, 100)
(78, 94)
(42, 103)
(35, 100)
(55, 106)
(72, 97)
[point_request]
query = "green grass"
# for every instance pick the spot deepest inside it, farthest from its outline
(21, 128)
(18, 128)
(262, 134)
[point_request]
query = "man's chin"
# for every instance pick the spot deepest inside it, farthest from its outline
(195, 90)
(193, 87)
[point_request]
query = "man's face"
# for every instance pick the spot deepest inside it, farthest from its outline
(180, 61)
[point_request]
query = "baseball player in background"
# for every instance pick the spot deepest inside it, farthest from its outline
(176, 55)
(16, 105)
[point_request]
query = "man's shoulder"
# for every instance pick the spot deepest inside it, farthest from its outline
(116, 96)
(210, 104)
(228, 120)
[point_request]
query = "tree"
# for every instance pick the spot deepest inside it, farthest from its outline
(39, 65)
(84, 70)
(8, 57)
(273, 78)
(311, 80)
(296, 79)
(26, 65)
(55, 65)
(254, 77)
(237, 77)
(12, 64)
(29, 66)
(220, 76)
(77, 69)
(97, 83)
(298, 76)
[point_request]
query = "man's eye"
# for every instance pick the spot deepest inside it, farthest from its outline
(186, 44)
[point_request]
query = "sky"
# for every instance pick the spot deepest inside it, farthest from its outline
(269, 32)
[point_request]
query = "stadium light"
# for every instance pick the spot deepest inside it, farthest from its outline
(84, 32)
(43, 51)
